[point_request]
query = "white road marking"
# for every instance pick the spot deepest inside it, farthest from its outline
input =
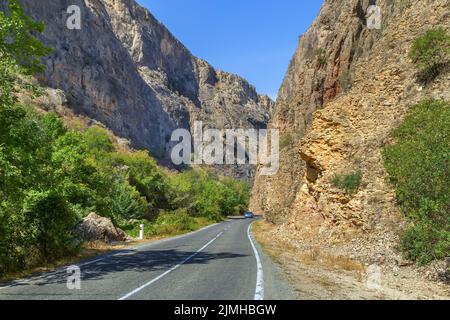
(170, 270)
(259, 291)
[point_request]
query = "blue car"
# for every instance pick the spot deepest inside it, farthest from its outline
(249, 215)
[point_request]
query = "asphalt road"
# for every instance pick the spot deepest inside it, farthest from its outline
(221, 262)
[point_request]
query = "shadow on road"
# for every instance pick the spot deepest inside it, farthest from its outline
(132, 261)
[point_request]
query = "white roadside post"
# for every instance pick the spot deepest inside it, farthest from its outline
(141, 232)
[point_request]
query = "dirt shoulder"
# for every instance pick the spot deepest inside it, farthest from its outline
(317, 275)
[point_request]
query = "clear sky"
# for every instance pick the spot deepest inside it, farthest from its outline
(253, 38)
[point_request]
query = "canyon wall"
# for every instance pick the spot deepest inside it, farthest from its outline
(347, 87)
(126, 70)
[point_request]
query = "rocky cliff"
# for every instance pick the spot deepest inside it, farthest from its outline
(126, 70)
(347, 87)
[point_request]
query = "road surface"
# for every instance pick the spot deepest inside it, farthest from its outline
(220, 262)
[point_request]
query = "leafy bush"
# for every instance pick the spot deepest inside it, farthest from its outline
(204, 194)
(167, 223)
(146, 177)
(126, 202)
(321, 57)
(350, 183)
(97, 140)
(20, 51)
(175, 222)
(50, 223)
(418, 164)
(431, 52)
(424, 243)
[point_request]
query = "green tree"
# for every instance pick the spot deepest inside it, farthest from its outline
(20, 50)
(98, 140)
(146, 177)
(50, 224)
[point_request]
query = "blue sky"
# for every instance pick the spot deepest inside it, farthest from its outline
(253, 38)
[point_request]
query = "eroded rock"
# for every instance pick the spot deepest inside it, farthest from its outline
(97, 228)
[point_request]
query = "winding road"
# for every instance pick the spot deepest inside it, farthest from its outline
(220, 262)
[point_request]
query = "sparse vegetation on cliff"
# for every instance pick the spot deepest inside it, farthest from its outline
(418, 163)
(350, 183)
(431, 53)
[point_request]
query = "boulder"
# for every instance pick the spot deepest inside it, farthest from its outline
(96, 228)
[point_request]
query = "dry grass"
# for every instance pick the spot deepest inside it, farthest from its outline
(330, 261)
(314, 257)
(89, 251)
(315, 274)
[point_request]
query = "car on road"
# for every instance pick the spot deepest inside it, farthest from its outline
(249, 215)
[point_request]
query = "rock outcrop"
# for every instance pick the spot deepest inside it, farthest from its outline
(347, 87)
(126, 70)
(96, 228)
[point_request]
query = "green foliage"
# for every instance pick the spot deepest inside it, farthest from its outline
(126, 202)
(350, 183)
(204, 194)
(146, 177)
(98, 140)
(50, 223)
(418, 164)
(430, 53)
(175, 222)
(51, 177)
(17, 40)
(168, 223)
(424, 243)
(36, 215)
(20, 51)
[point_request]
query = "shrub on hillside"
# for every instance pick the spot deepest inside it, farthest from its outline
(418, 163)
(145, 175)
(49, 224)
(431, 53)
(350, 183)
(204, 194)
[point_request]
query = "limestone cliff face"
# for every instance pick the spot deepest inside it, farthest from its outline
(347, 87)
(125, 69)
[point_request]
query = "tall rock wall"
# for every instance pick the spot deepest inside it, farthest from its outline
(346, 89)
(126, 70)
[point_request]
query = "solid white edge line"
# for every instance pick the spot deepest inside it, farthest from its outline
(170, 270)
(259, 291)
